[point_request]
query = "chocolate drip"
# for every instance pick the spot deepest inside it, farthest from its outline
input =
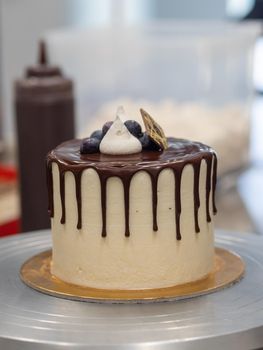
(208, 186)
(50, 190)
(179, 154)
(177, 196)
(103, 189)
(196, 166)
(126, 186)
(77, 176)
(62, 195)
(154, 175)
(214, 183)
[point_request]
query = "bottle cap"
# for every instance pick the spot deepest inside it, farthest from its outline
(42, 69)
(43, 80)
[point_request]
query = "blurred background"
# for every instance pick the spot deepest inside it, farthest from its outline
(196, 66)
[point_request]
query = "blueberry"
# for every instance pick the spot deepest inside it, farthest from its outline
(148, 144)
(134, 128)
(106, 127)
(89, 145)
(97, 134)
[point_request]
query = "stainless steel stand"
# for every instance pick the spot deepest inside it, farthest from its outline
(228, 319)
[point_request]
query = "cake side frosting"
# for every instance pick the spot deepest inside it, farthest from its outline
(145, 259)
(176, 157)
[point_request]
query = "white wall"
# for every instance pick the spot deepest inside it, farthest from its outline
(190, 9)
(22, 24)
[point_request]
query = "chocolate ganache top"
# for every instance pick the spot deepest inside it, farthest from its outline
(179, 153)
(179, 150)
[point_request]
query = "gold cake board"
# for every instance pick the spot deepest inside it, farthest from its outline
(35, 272)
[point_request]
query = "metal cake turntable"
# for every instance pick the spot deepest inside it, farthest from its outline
(230, 318)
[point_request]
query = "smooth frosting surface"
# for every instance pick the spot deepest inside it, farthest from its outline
(145, 259)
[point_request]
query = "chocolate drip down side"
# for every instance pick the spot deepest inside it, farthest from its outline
(214, 184)
(78, 197)
(177, 196)
(50, 189)
(62, 196)
(196, 166)
(103, 189)
(208, 186)
(126, 181)
(171, 161)
(154, 175)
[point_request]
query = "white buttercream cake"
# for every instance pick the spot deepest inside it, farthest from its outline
(131, 209)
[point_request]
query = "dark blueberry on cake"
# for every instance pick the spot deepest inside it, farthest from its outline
(106, 127)
(148, 144)
(134, 128)
(97, 134)
(89, 145)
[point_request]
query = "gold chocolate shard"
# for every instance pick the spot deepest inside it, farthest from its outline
(154, 130)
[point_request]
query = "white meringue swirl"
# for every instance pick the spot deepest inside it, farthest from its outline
(118, 140)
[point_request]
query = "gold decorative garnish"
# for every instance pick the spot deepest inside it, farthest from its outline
(154, 130)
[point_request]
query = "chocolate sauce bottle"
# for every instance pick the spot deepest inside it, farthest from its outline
(44, 107)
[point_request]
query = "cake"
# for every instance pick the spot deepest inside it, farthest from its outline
(131, 209)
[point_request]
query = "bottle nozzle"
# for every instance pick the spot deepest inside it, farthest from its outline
(42, 53)
(42, 69)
